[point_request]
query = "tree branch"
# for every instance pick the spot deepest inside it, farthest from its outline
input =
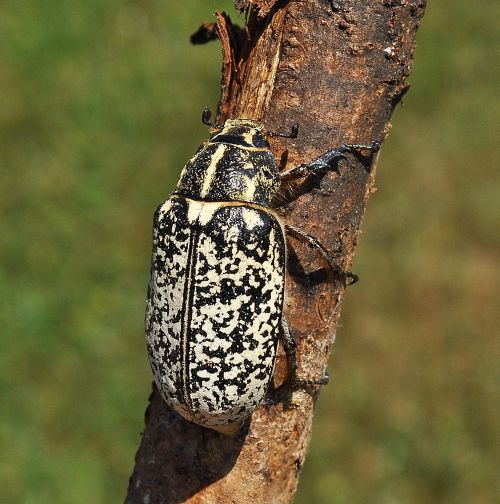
(337, 69)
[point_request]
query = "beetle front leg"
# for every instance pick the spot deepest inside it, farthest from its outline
(325, 161)
(313, 242)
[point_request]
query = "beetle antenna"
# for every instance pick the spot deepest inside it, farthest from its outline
(205, 118)
(293, 133)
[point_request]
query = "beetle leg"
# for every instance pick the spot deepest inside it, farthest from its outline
(313, 242)
(311, 383)
(325, 161)
(290, 348)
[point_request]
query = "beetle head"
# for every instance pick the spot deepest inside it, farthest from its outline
(241, 132)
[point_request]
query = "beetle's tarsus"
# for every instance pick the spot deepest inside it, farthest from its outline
(327, 161)
(293, 132)
(306, 384)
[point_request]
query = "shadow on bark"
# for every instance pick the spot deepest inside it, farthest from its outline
(182, 469)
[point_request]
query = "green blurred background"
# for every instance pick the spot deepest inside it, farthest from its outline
(100, 105)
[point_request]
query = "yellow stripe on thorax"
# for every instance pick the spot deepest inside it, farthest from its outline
(210, 173)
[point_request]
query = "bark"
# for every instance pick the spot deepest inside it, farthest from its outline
(337, 69)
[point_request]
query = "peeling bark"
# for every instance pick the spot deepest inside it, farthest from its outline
(337, 69)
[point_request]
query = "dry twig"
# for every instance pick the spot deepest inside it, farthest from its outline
(338, 69)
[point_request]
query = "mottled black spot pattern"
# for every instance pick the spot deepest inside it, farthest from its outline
(236, 310)
(227, 329)
(164, 307)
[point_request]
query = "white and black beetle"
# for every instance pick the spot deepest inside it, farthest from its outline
(215, 295)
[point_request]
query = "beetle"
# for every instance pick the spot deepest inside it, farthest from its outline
(215, 294)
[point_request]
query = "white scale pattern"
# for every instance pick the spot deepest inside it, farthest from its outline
(235, 280)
